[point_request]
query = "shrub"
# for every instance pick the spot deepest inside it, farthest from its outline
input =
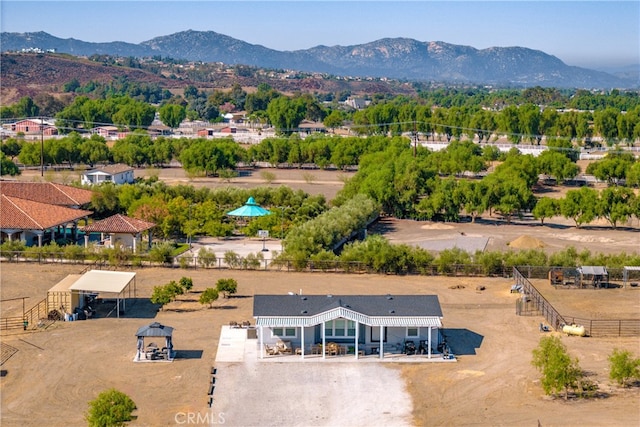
(206, 258)
(623, 367)
(110, 408)
(161, 253)
(186, 283)
(232, 259)
(73, 252)
(208, 296)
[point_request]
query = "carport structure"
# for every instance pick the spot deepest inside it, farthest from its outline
(627, 271)
(107, 282)
(361, 322)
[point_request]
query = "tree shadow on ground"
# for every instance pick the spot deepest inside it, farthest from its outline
(462, 341)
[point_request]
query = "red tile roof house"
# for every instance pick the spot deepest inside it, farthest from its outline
(117, 174)
(122, 230)
(33, 211)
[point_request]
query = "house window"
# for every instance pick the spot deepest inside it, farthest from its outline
(283, 332)
(340, 328)
(413, 332)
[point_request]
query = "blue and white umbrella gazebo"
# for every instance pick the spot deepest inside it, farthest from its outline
(249, 210)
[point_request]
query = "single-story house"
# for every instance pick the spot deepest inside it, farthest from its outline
(36, 212)
(116, 174)
(374, 324)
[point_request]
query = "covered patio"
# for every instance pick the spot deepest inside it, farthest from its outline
(111, 283)
(361, 326)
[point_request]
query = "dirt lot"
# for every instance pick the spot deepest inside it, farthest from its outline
(55, 372)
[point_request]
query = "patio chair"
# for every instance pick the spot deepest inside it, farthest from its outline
(332, 349)
(271, 351)
(284, 347)
(409, 348)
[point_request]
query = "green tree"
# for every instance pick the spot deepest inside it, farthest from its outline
(546, 207)
(161, 295)
(227, 286)
(186, 283)
(612, 168)
(208, 296)
(559, 371)
(172, 115)
(557, 165)
(579, 205)
(7, 167)
(334, 120)
(623, 367)
(111, 408)
(615, 204)
(286, 113)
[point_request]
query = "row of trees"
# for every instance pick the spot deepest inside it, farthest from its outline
(328, 230)
(524, 121)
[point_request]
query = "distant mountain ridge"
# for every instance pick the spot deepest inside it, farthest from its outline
(396, 58)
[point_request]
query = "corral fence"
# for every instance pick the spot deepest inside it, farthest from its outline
(33, 318)
(532, 303)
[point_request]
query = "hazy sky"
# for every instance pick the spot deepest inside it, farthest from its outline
(595, 34)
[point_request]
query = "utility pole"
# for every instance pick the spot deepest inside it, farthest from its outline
(415, 140)
(41, 146)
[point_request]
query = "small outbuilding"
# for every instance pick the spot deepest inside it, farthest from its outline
(593, 275)
(61, 299)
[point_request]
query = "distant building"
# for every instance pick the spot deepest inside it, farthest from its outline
(34, 126)
(357, 103)
(117, 174)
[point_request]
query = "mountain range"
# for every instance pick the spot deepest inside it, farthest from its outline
(394, 58)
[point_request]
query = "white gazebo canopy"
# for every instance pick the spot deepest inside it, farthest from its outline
(101, 281)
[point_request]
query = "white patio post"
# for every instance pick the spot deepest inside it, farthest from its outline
(302, 342)
(356, 343)
(381, 342)
(429, 344)
(261, 343)
(324, 342)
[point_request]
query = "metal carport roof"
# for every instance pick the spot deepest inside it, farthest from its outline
(104, 281)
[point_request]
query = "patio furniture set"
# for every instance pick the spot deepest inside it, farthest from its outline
(152, 352)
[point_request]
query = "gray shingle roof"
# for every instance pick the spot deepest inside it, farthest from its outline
(370, 305)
